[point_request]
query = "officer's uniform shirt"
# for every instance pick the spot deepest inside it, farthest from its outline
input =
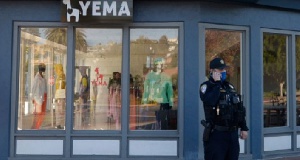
(210, 93)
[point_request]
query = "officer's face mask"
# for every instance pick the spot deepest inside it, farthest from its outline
(223, 76)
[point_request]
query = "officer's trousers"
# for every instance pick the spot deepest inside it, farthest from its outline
(222, 145)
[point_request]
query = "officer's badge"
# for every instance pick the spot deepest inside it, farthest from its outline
(203, 88)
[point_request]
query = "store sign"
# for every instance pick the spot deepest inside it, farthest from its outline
(96, 11)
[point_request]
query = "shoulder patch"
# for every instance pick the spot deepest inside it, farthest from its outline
(203, 88)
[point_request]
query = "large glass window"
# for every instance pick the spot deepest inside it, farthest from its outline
(275, 79)
(42, 82)
(97, 89)
(153, 79)
(227, 45)
(70, 90)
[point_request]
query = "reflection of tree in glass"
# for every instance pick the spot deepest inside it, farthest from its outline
(150, 46)
(59, 35)
(298, 61)
(224, 44)
(144, 48)
(274, 58)
(163, 44)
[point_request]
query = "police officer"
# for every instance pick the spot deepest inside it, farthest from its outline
(224, 114)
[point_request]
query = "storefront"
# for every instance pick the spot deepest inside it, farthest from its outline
(120, 79)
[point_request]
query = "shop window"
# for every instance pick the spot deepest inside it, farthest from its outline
(69, 90)
(42, 82)
(230, 44)
(97, 90)
(153, 79)
(275, 79)
(226, 45)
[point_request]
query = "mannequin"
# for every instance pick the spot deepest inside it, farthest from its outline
(39, 97)
(93, 102)
(158, 87)
(158, 90)
(84, 95)
(60, 85)
(132, 107)
(114, 99)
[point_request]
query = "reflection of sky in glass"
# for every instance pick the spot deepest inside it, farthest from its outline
(42, 35)
(104, 36)
(154, 34)
(95, 36)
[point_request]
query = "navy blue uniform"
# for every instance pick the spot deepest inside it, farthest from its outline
(225, 113)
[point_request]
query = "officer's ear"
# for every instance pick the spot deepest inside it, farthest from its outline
(211, 72)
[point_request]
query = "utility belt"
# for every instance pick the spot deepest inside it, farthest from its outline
(224, 128)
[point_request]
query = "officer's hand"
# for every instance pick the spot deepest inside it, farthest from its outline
(216, 76)
(244, 135)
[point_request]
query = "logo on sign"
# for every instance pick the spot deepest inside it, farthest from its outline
(90, 10)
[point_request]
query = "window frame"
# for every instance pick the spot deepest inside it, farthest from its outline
(245, 74)
(292, 129)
